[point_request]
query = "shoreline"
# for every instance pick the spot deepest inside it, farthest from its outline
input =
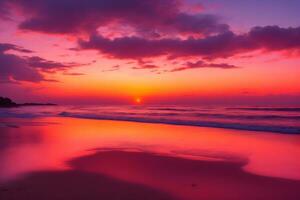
(232, 126)
(148, 176)
(286, 123)
(70, 158)
(180, 141)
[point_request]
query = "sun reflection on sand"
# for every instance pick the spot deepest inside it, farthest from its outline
(263, 153)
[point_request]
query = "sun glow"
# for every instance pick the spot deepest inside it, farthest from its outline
(138, 100)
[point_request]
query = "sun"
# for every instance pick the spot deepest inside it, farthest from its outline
(138, 100)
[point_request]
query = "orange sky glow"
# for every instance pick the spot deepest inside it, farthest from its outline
(72, 65)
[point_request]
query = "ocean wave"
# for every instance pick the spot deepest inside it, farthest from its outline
(256, 119)
(268, 109)
(239, 126)
(239, 116)
(173, 109)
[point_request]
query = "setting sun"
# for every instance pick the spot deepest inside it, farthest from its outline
(138, 100)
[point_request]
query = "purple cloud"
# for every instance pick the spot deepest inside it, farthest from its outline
(274, 38)
(14, 68)
(201, 23)
(77, 16)
(222, 45)
(49, 66)
(153, 26)
(5, 47)
(269, 38)
(202, 64)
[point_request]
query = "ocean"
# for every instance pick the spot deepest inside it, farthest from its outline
(268, 119)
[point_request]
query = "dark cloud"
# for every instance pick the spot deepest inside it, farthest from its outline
(49, 66)
(129, 47)
(14, 68)
(200, 23)
(75, 16)
(202, 64)
(274, 38)
(153, 26)
(6, 47)
(269, 38)
(222, 45)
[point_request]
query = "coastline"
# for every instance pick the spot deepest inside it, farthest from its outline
(27, 104)
(276, 120)
(280, 150)
(72, 158)
(233, 126)
(8, 103)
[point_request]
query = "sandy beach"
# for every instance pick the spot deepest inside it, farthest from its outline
(149, 100)
(68, 158)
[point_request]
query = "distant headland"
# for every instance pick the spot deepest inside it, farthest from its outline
(8, 103)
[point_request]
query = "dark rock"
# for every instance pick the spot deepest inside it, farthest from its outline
(6, 102)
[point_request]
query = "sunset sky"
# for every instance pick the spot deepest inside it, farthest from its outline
(158, 51)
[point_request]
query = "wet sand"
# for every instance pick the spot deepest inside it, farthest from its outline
(136, 175)
(65, 158)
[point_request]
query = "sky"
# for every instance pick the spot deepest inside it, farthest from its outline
(157, 51)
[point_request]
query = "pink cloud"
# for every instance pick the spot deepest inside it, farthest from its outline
(268, 38)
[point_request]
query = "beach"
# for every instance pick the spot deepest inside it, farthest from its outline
(149, 100)
(71, 158)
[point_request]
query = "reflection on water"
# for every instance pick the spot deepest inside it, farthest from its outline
(271, 119)
(48, 144)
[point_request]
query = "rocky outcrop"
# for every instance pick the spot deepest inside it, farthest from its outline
(6, 102)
